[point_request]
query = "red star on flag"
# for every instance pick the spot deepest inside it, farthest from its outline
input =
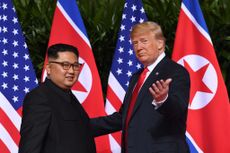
(196, 78)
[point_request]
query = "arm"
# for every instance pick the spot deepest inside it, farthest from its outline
(35, 122)
(107, 124)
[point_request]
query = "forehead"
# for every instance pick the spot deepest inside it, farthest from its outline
(67, 55)
(142, 35)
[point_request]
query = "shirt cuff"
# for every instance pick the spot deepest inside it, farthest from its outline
(159, 103)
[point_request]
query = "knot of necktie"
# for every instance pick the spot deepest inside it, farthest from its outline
(142, 78)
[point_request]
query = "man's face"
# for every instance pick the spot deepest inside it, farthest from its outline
(147, 48)
(65, 79)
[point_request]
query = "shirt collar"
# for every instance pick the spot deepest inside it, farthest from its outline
(153, 65)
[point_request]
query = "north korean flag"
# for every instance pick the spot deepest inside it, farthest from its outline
(208, 120)
(68, 28)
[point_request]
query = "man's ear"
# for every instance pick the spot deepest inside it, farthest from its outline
(160, 44)
(48, 68)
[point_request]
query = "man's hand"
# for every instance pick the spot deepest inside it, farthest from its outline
(159, 89)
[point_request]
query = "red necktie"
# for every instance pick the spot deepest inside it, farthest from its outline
(134, 97)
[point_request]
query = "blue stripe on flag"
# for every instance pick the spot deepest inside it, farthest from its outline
(191, 146)
(194, 8)
(73, 11)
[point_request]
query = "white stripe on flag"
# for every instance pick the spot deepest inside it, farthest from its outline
(7, 140)
(193, 142)
(10, 111)
(115, 147)
(75, 27)
(109, 109)
(117, 88)
(190, 16)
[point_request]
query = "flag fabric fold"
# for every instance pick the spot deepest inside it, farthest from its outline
(124, 64)
(68, 28)
(208, 120)
(17, 77)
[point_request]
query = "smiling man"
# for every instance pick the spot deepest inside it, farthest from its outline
(53, 119)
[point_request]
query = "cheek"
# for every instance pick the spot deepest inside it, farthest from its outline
(77, 74)
(153, 50)
(57, 73)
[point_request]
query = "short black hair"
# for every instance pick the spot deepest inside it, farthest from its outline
(53, 50)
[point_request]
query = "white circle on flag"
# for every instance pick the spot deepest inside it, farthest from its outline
(201, 99)
(85, 79)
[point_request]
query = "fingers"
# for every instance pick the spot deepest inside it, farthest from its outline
(160, 88)
(161, 85)
(157, 87)
(152, 91)
(168, 81)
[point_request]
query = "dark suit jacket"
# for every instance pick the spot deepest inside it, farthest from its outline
(153, 130)
(54, 122)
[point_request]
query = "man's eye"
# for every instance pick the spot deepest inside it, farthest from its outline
(144, 41)
(66, 64)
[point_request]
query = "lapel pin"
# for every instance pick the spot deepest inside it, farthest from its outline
(157, 73)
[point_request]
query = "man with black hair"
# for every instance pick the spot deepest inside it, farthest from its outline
(53, 119)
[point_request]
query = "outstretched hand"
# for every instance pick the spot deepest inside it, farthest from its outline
(159, 89)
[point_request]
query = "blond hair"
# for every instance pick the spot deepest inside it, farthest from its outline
(148, 26)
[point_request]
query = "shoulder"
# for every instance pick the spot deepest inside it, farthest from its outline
(40, 90)
(172, 66)
(135, 75)
(37, 95)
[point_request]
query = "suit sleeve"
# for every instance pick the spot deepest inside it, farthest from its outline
(178, 97)
(106, 124)
(35, 122)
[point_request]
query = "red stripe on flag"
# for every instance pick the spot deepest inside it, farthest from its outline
(116, 103)
(20, 111)
(112, 97)
(9, 126)
(68, 35)
(94, 107)
(117, 137)
(3, 148)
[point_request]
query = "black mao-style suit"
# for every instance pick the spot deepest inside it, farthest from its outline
(54, 122)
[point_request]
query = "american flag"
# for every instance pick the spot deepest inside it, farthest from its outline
(124, 64)
(17, 77)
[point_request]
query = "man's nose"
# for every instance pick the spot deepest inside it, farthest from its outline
(71, 69)
(138, 46)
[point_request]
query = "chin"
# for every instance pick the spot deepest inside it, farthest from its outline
(69, 84)
(142, 60)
